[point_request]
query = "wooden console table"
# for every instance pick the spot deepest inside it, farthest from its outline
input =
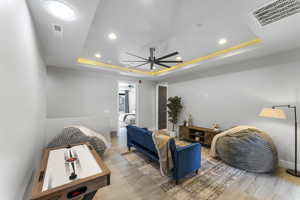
(197, 134)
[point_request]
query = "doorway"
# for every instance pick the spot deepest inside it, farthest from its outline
(127, 109)
(161, 108)
(127, 102)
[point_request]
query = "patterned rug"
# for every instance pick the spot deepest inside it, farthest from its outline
(212, 180)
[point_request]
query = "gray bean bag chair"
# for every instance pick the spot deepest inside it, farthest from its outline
(72, 135)
(249, 150)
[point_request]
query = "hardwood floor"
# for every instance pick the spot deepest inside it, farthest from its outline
(127, 183)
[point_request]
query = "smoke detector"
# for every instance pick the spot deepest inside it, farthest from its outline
(276, 10)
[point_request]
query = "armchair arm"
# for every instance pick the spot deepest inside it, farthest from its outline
(187, 159)
(188, 147)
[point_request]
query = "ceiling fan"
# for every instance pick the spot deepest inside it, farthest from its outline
(152, 60)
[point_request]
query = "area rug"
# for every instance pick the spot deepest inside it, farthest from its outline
(212, 180)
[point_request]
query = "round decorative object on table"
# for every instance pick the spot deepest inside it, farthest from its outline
(248, 150)
(216, 127)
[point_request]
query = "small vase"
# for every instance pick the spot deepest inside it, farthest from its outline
(190, 121)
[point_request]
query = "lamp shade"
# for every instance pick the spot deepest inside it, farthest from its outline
(273, 113)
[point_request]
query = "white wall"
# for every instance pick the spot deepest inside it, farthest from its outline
(234, 95)
(132, 100)
(146, 104)
(91, 99)
(22, 97)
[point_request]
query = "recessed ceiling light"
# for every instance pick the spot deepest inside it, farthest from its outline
(178, 58)
(112, 36)
(154, 67)
(98, 55)
(60, 10)
(222, 41)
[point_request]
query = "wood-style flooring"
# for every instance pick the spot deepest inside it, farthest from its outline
(127, 183)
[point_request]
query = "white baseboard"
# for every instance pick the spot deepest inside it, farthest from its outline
(288, 164)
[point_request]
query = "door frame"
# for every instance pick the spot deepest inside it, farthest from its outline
(156, 103)
(137, 103)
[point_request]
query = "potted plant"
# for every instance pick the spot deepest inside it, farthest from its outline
(174, 108)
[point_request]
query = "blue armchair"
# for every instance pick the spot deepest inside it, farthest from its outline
(186, 159)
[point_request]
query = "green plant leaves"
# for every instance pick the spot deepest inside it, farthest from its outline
(174, 108)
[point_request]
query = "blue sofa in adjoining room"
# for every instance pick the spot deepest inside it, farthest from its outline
(187, 159)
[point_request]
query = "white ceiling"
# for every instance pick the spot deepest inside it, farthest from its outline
(63, 51)
(191, 27)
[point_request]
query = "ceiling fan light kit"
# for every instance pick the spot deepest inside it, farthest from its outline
(152, 60)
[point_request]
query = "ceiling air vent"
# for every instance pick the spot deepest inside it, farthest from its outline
(276, 11)
(57, 30)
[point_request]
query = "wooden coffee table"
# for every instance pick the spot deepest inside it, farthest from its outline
(70, 172)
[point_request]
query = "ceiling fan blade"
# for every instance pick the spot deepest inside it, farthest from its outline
(170, 61)
(163, 65)
(136, 56)
(167, 56)
(140, 65)
(133, 61)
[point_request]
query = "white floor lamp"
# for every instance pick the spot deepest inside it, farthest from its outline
(274, 112)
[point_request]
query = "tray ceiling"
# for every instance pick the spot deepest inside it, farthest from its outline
(193, 28)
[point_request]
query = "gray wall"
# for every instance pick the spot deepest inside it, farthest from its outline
(90, 99)
(234, 95)
(22, 96)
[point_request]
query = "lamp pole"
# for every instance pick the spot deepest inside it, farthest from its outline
(295, 171)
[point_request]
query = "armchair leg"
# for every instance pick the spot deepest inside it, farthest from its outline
(128, 148)
(197, 171)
